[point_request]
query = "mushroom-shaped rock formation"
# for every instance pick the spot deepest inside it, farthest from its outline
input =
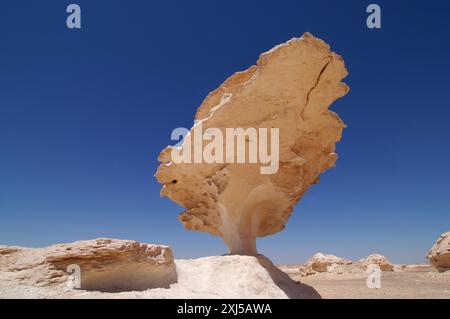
(439, 254)
(288, 92)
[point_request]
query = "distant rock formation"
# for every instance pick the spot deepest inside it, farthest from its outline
(103, 265)
(331, 264)
(321, 263)
(439, 254)
(376, 259)
(290, 88)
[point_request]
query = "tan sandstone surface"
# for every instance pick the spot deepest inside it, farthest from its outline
(290, 88)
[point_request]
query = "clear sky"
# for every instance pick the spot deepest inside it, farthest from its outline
(84, 114)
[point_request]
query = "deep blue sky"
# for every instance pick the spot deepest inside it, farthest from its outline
(84, 114)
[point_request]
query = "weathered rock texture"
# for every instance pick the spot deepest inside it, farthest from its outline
(376, 259)
(323, 263)
(439, 254)
(330, 264)
(105, 265)
(291, 88)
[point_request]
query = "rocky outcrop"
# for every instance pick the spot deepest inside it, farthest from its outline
(125, 269)
(321, 263)
(101, 264)
(330, 264)
(287, 94)
(439, 254)
(376, 259)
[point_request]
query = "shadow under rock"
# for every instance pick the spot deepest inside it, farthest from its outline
(293, 289)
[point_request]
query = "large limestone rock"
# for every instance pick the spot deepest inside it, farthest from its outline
(320, 263)
(290, 88)
(103, 264)
(235, 276)
(376, 259)
(439, 254)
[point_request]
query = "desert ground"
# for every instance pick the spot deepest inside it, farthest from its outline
(111, 268)
(416, 281)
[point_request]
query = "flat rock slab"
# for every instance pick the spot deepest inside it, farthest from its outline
(102, 264)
